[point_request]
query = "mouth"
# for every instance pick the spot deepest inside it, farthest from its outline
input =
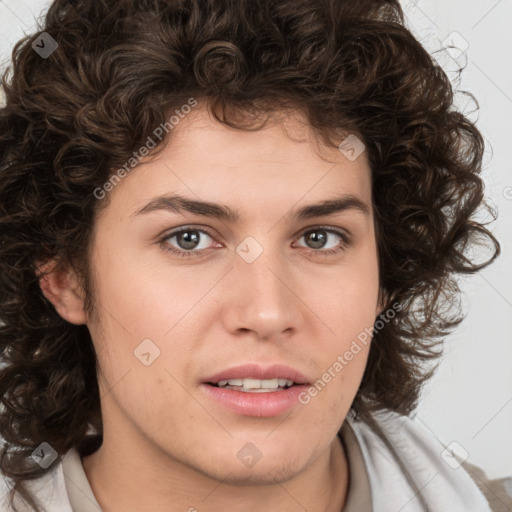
(254, 390)
(251, 385)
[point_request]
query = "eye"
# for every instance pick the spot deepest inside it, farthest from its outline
(319, 236)
(188, 241)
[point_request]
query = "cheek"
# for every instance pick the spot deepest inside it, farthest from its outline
(148, 299)
(148, 314)
(347, 309)
(347, 302)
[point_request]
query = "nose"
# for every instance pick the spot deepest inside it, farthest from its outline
(261, 298)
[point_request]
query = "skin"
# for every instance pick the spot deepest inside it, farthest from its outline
(168, 446)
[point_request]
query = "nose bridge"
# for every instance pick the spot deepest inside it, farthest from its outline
(262, 298)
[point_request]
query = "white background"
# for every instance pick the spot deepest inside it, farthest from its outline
(469, 400)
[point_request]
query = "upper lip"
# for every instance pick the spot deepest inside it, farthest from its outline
(256, 371)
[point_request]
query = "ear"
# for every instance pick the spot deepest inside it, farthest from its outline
(61, 287)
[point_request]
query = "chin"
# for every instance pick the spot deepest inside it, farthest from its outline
(268, 469)
(260, 474)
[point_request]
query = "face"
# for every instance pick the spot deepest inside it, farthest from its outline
(188, 296)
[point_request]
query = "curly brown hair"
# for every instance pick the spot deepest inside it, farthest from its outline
(73, 118)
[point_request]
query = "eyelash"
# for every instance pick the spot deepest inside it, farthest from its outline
(346, 242)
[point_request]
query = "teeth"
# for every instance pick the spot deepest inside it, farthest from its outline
(255, 385)
(231, 382)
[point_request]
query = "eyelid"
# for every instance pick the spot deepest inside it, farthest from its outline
(333, 229)
(176, 231)
(186, 227)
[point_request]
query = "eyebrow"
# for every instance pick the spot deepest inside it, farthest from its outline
(177, 204)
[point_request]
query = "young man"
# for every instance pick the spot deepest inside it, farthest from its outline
(230, 232)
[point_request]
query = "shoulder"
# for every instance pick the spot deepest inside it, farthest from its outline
(407, 464)
(5, 489)
(49, 491)
(498, 491)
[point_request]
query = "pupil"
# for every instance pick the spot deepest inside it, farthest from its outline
(319, 240)
(190, 241)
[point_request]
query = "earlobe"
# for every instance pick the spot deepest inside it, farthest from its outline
(60, 287)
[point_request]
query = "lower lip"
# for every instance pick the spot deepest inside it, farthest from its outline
(263, 405)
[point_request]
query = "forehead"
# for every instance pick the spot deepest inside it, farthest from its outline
(280, 164)
(285, 135)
